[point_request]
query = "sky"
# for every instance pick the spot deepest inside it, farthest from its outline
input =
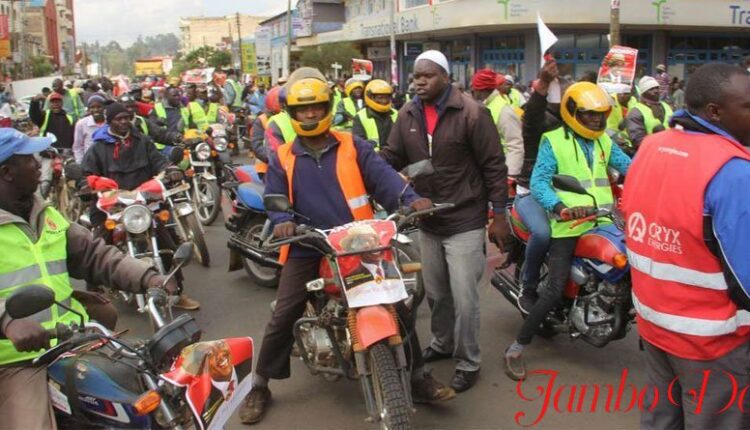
(124, 20)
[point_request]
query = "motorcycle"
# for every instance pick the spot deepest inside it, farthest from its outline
(350, 327)
(185, 221)
(251, 227)
(63, 189)
(98, 380)
(201, 152)
(597, 305)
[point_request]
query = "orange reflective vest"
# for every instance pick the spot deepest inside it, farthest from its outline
(260, 166)
(348, 174)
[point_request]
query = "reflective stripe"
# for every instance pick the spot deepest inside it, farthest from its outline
(692, 326)
(672, 273)
(21, 276)
(599, 182)
(358, 202)
(57, 267)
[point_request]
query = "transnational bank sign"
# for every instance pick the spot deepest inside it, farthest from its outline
(451, 14)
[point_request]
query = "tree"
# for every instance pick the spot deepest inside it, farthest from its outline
(40, 66)
(220, 59)
(322, 56)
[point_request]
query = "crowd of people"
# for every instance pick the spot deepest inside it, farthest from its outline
(682, 150)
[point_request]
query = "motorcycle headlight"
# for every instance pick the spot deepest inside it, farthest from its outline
(136, 219)
(203, 151)
(220, 143)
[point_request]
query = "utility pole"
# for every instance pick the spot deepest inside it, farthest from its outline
(288, 37)
(239, 41)
(614, 23)
(394, 57)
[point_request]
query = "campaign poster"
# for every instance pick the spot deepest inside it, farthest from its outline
(617, 72)
(361, 69)
(217, 375)
(370, 278)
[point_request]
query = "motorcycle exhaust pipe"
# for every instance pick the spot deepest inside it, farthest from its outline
(507, 285)
(249, 252)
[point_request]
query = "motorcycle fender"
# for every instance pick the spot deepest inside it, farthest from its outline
(235, 260)
(183, 209)
(402, 238)
(208, 176)
(374, 323)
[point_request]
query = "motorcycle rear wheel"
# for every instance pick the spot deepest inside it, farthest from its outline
(390, 398)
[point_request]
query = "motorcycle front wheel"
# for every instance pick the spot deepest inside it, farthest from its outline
(207, 198)
(390, 398)
(194, 233)
(261, 276)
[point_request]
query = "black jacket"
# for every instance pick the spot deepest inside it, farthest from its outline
(59, 125)
(537, 120)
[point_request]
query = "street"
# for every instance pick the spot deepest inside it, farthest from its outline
(231, 306)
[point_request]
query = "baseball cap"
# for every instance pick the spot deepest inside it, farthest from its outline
(13, 142)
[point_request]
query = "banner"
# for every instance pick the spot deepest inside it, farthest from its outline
(361, 69)
(617, 72)
(248, 57)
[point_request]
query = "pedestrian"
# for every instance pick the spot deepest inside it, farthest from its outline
(688, 223)
(257, 99)
(663, 78)
(678, 95)
(72, 102)
(83, 136)
(232, 91)
(650, 115)
(53, 121)
(457, 134)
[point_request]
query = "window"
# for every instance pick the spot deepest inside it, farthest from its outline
(408, 4)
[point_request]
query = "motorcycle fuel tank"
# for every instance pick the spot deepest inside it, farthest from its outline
(598, 248)
(251, 195)
(106, 388)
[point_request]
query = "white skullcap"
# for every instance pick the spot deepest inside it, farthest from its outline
(510, 79)
(436, 57)
(646, 83)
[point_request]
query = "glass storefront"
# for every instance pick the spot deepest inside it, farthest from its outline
(503, 54)
(688, 52)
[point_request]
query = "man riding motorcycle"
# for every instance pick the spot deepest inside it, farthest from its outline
(321, 163)
(47, 250)
(121, 152)
(581, 149)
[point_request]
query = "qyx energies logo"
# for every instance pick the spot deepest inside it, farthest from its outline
(658, 4)
(637, 227)
(656, 235)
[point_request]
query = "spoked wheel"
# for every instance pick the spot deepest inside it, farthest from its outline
(260, 275)
(207, 198)
(194, 233)
(390, 398)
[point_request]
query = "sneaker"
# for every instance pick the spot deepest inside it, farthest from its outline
(254, 407)
(527, 299)
(187, 303)
(429, 390)
(515, 367)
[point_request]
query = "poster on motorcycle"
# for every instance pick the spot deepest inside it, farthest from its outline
(217, 376)
(617, 73)
(369, 278)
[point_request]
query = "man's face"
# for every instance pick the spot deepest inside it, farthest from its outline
(262, 88)
(592, 120)
(121, 123)
(56, 105)
(310, 113)
(430, 80)
(57, 86)
(480, 95)
(202, 94)
(652, 94)
(341, 83)
(173, 96)
(505, 87)
(624, 98)
(369, 241)
(733, 114)
(24, 171)
(97, 110)
(382, 99)
(357, 93)
(220, 363)
(191, 92)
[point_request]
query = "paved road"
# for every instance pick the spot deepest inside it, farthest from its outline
(232, 306)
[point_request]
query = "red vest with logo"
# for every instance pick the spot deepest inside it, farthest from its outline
(679, 292)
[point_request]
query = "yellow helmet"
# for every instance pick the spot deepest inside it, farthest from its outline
(585, 97)
(378, 87)
(351, 84)
(305, 92)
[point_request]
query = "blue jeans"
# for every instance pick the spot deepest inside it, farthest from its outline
(535, 219)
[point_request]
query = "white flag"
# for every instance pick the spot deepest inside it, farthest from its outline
(546, 37)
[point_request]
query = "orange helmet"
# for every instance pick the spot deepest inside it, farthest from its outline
(272, 103)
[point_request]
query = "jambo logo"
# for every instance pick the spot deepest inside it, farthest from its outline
(656, 236)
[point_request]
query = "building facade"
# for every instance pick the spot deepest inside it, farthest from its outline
(216, 32)
(502, 34)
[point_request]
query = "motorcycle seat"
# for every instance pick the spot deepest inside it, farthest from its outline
(519, 229)
(248, 173)
(250, 194)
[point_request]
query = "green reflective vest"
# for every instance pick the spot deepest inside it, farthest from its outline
(237, 93)
(649, 120)
(350, 109)
(194, 111)
(142, 124)
(43, 262)
(572, 161)
(284, 122)
(371, 127)
(212, 115)
(43, 128)
(336, 97)
(515, 97)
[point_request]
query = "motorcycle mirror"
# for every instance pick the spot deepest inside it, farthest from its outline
(420, 168)
(568, 183)
(176, 155)
(29, 300)
(183, 254)
(276, 203)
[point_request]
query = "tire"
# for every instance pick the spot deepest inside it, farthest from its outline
(414, 282)
(72, 208)
(194, 234)
(208, 207)
(390, 398)
(261, 276)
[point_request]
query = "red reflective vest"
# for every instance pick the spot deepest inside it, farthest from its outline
(347, 172)
(679, 292)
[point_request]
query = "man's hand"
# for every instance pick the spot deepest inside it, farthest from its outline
(421, 204)
(27, 335)
(499, 231)
(576, 212)
(284, 230)
(90, 298)
(549, 72)
(157, 281)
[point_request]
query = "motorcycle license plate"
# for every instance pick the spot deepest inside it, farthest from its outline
(201, 163)
(208, 176)
(178, 189)
(58, 399)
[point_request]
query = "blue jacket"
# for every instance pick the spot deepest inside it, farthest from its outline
(317, 194)
(546, 167)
